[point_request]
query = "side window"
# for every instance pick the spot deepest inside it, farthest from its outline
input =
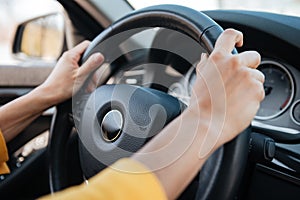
(31, 31)
(32, 37)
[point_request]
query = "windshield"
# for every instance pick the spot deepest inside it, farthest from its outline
(289, 7)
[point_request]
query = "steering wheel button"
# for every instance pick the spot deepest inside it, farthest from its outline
(111, 125)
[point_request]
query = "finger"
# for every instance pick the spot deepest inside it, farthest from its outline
(91, 87)
(93, 84)
(202, 63)
(228, 40)
(260, 91)
(76, 52)
(81, 47)
(249, 58)
(258, 75)
(91, 64)
(263, 92)
(97, 75)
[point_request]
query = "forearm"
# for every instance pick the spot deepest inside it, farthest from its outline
(58, 87)
(174, 154)
(18, 114)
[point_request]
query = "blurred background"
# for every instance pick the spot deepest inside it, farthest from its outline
(291, 7)
(14, 12)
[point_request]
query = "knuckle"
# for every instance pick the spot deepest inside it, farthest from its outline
(70, 56)
(255, 85)
(235, 62)
(258, 57)
(216, 56)
(262, 92)
(246, 76)
(262, 96)
(263, 78)
(230, 31)
(66, 54)
(258, 89)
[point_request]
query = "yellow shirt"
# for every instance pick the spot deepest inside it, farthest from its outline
(126, 179)
(3, 156)
(116, 184)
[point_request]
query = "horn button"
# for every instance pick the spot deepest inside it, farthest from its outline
(111, 125)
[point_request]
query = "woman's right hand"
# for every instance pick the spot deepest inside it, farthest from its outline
(228, 89)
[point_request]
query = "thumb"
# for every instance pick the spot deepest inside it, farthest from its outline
(200, 66)
(91, 64)
(202, 63)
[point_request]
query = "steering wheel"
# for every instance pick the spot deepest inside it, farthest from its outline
(116, 120)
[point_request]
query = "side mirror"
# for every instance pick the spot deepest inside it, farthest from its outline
(41, 38)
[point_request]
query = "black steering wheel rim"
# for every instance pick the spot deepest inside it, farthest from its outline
(229, 160)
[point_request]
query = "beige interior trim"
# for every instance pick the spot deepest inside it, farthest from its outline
(105, 11)
(104, 21)
(23, 76)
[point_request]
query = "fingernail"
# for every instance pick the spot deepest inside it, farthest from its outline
(203, 55)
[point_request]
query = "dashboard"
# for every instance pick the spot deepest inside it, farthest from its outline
(280, 108)
(280, 64)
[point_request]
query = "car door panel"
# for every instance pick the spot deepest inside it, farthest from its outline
(16, 81)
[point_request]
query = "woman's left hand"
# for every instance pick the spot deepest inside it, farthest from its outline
(67, 76)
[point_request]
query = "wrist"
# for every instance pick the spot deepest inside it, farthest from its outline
(208, 131)
(47, 96)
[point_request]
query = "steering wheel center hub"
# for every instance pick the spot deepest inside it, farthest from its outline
(111, 125)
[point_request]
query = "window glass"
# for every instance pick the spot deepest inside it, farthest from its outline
(15, 12)
(290, 7)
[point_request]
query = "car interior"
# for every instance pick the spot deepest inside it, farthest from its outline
(151, 54)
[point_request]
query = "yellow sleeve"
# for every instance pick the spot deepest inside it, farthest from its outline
(126, 179)
(3, 156)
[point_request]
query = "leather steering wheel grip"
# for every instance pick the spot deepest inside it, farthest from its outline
(192, 23)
